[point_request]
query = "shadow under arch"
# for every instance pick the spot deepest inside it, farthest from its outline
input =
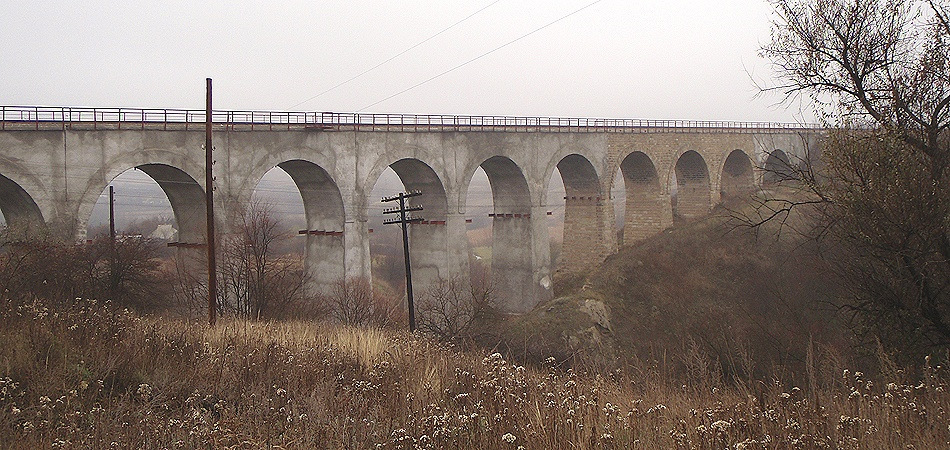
(737, 178)
(512, 238)
(647, 210)
(431, 257)
(20, 212)
(585, 215)
(324, 260)
(777, 168)
(186, 197)
(692, 186)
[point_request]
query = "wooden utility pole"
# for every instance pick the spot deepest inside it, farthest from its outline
(209, 200)
(405, 219)
(113, 257)
(112, 214)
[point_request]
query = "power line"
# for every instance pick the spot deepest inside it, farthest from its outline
(482, 55)
(397, 54)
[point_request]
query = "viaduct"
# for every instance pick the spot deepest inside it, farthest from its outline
(55, 162)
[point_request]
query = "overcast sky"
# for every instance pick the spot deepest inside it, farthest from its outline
(658, 59)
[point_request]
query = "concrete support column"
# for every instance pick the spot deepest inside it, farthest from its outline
(542, 284)
(514, 249)
(457, 247)
(428, 253)
(356, 259)
(323, 262)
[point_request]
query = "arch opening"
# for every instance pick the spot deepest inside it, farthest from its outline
(692, 186)
(428, 241)
(510, 259)
(141, 204)
(323, 221)
(737, 176)
(646, 207)
(18, 210)
(777, 168)
(579, 234)
(141, 208)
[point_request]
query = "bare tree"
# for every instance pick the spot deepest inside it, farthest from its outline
(254, 282)
(882, 196)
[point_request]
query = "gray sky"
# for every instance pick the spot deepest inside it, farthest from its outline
(658, 59)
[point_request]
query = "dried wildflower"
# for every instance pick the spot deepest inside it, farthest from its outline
(720, 426)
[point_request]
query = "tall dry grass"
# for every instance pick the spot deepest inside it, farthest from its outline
(86, 375)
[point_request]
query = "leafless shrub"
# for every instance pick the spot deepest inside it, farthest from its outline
(125, 271)
(455, 310)
(353, 301)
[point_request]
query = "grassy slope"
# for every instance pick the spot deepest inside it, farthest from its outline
(700, 289)
(81, 375)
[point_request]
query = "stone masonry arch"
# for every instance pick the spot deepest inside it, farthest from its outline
(647, 205)
(693, 197)
(737, 177)
(585, 211)
(777, 168)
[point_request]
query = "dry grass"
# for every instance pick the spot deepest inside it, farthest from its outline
(84, 375)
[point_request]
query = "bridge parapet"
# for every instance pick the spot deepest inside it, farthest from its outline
(54, 118)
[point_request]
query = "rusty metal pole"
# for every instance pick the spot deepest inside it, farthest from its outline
(209, 200)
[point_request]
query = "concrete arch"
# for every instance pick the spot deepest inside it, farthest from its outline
(647, 209)
(245, 183)
(431, 256)
(187, 198)
(185, 173)
(419, 176)
(777, 168)
(510, 191)
(512, 265)
(20, 211)
(325, 213)
(585, 239)
(736, 174)
(692, 186)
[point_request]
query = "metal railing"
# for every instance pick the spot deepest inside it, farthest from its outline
(46, 117)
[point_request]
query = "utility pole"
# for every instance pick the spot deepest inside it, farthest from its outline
(112, 214)
(113, 281)
(209, 200)
(405, 219)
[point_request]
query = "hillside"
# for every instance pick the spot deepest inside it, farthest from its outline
(713, 294)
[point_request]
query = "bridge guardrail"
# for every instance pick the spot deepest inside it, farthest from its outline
(46, 117)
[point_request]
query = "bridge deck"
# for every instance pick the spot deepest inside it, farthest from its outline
(59, 118)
